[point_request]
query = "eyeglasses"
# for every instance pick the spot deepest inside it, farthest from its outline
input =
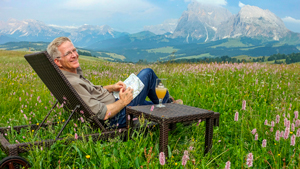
(69, 53)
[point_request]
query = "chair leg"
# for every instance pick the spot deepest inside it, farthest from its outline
(67, 122)
(39, 126)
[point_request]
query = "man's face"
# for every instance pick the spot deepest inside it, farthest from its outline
(68, 60)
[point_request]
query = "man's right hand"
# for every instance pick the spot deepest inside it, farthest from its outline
(126, 95)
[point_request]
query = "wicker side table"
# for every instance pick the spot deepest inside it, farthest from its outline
(172, 114)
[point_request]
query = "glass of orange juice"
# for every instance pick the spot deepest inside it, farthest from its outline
(161, 91)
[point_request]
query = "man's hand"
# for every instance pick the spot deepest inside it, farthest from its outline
(118, 86)
(126, 95)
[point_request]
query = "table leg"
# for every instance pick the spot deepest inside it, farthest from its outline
(163, 138)
(208, 135)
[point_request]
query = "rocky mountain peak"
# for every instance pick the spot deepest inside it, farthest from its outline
(252, 21)
(200, 21)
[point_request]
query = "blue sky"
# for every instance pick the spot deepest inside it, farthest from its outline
(131, 15)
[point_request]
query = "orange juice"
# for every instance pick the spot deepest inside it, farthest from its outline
(161, 92)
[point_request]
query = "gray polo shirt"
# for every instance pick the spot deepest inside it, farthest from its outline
(95, 96)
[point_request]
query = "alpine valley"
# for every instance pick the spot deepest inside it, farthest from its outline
(202, 31)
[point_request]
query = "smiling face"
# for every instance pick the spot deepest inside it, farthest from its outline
(68, 59)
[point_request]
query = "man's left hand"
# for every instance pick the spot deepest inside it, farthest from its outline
(118, 86)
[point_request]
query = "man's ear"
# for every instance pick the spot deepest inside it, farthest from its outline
(57, 62)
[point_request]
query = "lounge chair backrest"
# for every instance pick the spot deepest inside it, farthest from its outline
(59, 86)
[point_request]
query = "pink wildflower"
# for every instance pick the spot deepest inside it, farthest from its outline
(120, 130)
(297, 123)
(24, 137)
(250, 160)
(128, 117)
(296, 114)
(271, 129)
(17, 141)
(81, 111)
(256, 137)
(76, 136)
(282, 134)
(38, 98)
(41, 148)
(199, 122)
(227, 166)
(191, 147)
(244, 105)
(286, 133)
(272, 123)
(75, 124)
(266, 122)
(293, 127)
(264, 143)
(162, 159)
(152, 107)
(288, 115)
(253, 131)
(81, 119)
(298, 132)
(236, 116)
(293, 140)
(185, 158)
(25, 116)
(20, 99)
(21, 111)
(277, 137)
(5, 134)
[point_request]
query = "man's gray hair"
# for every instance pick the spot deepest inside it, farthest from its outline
(52, 47)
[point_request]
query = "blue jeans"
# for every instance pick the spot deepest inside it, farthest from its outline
(148, 77)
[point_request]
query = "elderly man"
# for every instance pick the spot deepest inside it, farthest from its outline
(100, 98)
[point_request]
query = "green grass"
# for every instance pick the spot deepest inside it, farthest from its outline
(231, 43)
(268, 90)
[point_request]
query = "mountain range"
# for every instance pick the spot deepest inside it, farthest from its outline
(199, 24)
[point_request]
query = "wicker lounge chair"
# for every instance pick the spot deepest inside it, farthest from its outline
(62, 90)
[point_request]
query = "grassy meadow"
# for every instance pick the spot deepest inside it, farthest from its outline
(258, 105)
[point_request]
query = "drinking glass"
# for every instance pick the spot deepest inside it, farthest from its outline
(161, 91)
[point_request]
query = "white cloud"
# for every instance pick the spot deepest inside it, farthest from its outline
(291, 20)
(213, 2)
(241, 4)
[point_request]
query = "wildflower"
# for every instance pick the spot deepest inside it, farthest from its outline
(25, 116)
(288, 115)
(271, 129)
(227, 166)
(81, 119)
(75, 124)
(278, 154)
(253, 131)
(17, 141)
(191, 147)
(41, 148)
(250, 160)
(64, 98)
(38, 98)
(87, 156)
(20, 99)
(21, 111)
(185, 158)
(199, 122)
(293, 140)
(152, 107)
(266, 122)
(277, 136)
(81, 111)
(297, 123)
(286, 133)
(5, 134)
(264, 143)
(74, 129)
(296, 114)
(32, 130)
(298, 132)
(244, 105)
(76, 136)
(24, 137)
(176, 164)
(272, 123)
(128, 117)
(256, 137)
(293, 127)
(282, 134)
(120, 130)
(236, 116)
(162, 158)
(37, 124)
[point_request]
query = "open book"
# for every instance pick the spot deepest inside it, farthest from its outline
(133, 82)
